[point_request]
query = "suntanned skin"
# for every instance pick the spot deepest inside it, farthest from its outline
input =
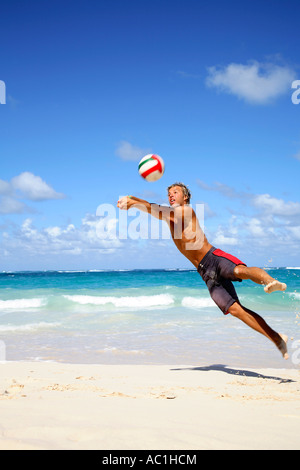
(182, 221)
(191, 241)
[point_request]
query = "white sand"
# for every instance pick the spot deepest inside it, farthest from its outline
(67, 406)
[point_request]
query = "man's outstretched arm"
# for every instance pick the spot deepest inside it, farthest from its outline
(160, 212)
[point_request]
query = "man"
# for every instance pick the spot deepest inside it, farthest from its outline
(217, 269)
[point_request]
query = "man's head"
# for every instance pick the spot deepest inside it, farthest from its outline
(179, 194)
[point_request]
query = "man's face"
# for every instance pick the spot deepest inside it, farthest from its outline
(176, 197)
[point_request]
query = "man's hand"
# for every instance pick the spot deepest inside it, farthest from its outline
(125, 203)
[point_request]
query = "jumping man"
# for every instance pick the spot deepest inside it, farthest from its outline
(217, 269)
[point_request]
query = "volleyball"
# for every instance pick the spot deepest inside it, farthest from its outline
(151, 167)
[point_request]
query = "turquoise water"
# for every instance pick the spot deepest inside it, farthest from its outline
(145, 317)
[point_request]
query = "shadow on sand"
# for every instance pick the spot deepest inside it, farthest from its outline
(236, 372)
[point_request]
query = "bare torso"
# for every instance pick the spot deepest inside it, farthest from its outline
(188, 236)
(184, 226)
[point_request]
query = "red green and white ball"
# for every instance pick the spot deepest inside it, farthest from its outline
(151, 167)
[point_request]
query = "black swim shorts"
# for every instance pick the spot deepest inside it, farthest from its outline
(217, 271)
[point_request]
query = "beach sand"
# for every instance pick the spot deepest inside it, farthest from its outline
(133, 407)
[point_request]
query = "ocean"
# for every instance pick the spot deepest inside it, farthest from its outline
(141, 317)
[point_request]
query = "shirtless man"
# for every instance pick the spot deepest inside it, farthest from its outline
(217, 269)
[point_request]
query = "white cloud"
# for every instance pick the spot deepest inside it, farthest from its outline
(34, 188)
(127, 151)
(53, 232)
(222, 239)
(265, 203)
(230, 235)
(277, 207)
(256, 83)
(24, 186)
(273, 226)
(10, 205)
(295, 232)
(59, 241)
(254, 227)
(5, 187)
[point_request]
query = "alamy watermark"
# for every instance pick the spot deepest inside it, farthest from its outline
(136, 224)
(2, 92)
(296, 354)
(2, 351)
(296, 94)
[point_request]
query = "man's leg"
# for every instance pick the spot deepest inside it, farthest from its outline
(257, 323)
(259, 276)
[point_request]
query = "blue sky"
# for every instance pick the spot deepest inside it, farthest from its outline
(92, 86)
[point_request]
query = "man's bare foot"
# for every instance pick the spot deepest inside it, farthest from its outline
(283, 346)
(273, 286)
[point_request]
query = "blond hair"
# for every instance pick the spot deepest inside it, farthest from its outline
(185, 190)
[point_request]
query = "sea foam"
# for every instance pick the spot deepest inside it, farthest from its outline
(21, 303)
(132, 302)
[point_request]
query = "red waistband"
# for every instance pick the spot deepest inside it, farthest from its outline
(221, 253)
